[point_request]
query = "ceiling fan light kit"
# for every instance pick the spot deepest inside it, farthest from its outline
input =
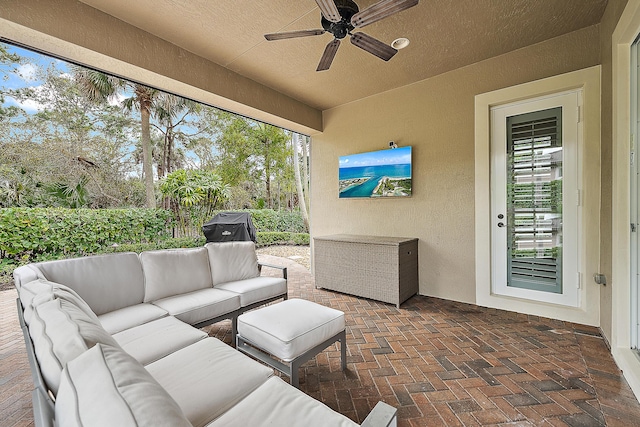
(341, 17)
(400, 43)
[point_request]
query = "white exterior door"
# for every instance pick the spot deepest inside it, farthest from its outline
(535, 199)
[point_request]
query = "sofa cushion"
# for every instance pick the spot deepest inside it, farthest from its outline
(199, 306)
(174, 271)
(276, 403)
(105, 282)
(60, 332)
(207, 378)
(25, 274)
(231, 261)
(256, 289)
(129, 317)
(154, 340)
(41, 290)
(107, 387)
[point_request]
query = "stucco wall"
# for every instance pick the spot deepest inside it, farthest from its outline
(607, 25)
(436, 117)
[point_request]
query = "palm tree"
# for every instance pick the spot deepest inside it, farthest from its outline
(99, 86)
(171, 112)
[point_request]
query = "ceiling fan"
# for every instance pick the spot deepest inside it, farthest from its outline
(340, 18)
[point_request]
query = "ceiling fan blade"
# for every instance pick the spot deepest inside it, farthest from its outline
(293, 34)
(329, 10)
(328, 55)
(373, 46)
(380, 10)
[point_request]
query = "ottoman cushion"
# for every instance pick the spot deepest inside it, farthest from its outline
(290, 328)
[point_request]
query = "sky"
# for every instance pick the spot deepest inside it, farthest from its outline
(395, 156)
(25, 75)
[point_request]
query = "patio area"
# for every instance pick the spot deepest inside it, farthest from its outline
(441, 363)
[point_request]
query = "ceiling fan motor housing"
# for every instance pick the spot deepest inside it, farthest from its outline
(347, 9)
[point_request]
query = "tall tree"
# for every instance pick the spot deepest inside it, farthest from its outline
(71, 152)
(172, 114)
(296, 138)
(270, 147)
(305, 169)
(101, 87)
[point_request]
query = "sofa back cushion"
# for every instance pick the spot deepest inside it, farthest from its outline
(107, 387)
(172, 272)
(60, 332)
(105, 282)
(41, 290)
(231, 261)
(25, 274)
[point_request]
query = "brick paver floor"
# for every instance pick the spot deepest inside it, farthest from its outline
(441, 363)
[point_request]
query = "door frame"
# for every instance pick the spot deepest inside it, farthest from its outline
(633, 195)
(626, 32)
(588, 309)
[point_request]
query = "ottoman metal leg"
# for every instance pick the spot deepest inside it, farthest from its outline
(343, 350)
(291, 369)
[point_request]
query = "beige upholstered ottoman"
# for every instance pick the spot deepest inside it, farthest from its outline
(287, 334)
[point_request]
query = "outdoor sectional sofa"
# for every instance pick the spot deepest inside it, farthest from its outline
(115, 340)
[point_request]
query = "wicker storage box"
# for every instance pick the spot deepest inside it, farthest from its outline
(380, 268)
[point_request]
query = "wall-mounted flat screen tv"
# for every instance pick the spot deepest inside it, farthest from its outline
(384, 173)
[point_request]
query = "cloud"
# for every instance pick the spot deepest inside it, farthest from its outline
(28, 105)
(27, 72)
(31, 105)
(116, 100)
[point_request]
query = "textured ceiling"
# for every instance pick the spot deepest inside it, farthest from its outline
(444, 35)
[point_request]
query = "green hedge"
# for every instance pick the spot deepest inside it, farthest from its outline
(269, 220)
(171, 243)
(264, 239)
(32, 233)
(41, 234)
(269, 238)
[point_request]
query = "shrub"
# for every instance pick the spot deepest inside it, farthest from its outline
(43, 234)
(280, 238)
(171, 243)
(32, 233)
(269, 220)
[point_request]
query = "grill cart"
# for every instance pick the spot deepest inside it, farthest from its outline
(230, 227)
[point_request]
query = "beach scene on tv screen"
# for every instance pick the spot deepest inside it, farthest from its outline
(384, 173)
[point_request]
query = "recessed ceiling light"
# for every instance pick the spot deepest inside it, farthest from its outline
(400, 43)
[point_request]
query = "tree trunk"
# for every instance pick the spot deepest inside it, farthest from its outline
(147, 155)
(305, 171)
(169, 154)
(296, 170)
(267, 171)
(162, 164)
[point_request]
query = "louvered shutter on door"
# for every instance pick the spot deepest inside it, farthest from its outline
(534, 200)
